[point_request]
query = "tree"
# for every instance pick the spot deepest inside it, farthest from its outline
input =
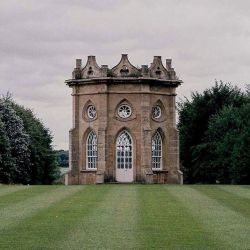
(6, 159)
(26, 153)
(63, 158)
(194, 118)
(44, 168)
(228, 143)
(17, 144)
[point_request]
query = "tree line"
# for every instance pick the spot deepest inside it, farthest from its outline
(26, 153)
(214, 129)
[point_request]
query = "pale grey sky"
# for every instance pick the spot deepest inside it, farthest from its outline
(40, 40)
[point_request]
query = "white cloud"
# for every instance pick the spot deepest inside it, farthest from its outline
(40, 40)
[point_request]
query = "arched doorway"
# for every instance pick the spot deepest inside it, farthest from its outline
(124, 157)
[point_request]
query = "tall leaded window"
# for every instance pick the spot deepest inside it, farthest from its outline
(124, 150)
(91, 150)
(156, 151)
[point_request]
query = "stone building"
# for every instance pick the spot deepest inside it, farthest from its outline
(124, 125)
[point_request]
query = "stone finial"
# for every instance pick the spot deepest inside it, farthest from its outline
(144, 71)
(76, 74)
(78, 63)
(168, 64)
(172, 74)
(104, 70)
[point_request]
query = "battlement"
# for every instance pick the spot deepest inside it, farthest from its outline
(124, 69)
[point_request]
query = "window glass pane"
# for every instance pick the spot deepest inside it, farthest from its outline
(124, 150)
(156, 151)
(91, 150)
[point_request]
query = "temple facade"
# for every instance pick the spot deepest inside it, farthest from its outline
(124, 123)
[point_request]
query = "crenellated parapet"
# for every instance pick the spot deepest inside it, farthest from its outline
(124, 69)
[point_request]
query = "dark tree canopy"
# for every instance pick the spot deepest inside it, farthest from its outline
(228, 144)
(43, 157)
(29, 155)
(18, 141)
(63, 158)
(199, 137)
(6, 160)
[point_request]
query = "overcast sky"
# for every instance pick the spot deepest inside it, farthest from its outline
(40, 40)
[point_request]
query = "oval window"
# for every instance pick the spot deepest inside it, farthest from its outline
(91, 111)
(156, 112)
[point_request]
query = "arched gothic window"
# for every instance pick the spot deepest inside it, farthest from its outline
(156, 151)
(91, 150)
(124, 151)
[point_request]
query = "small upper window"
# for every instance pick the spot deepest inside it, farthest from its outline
(124, 111)
(91, 111)
(124, 71)
(90, 71)
(158, 71)
(156, 112)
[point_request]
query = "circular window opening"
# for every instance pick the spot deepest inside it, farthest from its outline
(124, 111)
(91, 111)
(156, 112)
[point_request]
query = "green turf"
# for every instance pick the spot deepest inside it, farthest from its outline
(125, 217)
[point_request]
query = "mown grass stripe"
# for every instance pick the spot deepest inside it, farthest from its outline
(229, 229)
(7, 189)
(23, 194)
(49, 227)
(110, 225)
(12, 214)
(165, 223)
(127, 217)
(229, 199)
(241, 191)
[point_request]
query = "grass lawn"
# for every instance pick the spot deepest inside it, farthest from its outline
(125, 217)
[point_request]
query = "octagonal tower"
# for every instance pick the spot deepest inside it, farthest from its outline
(124, 124)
